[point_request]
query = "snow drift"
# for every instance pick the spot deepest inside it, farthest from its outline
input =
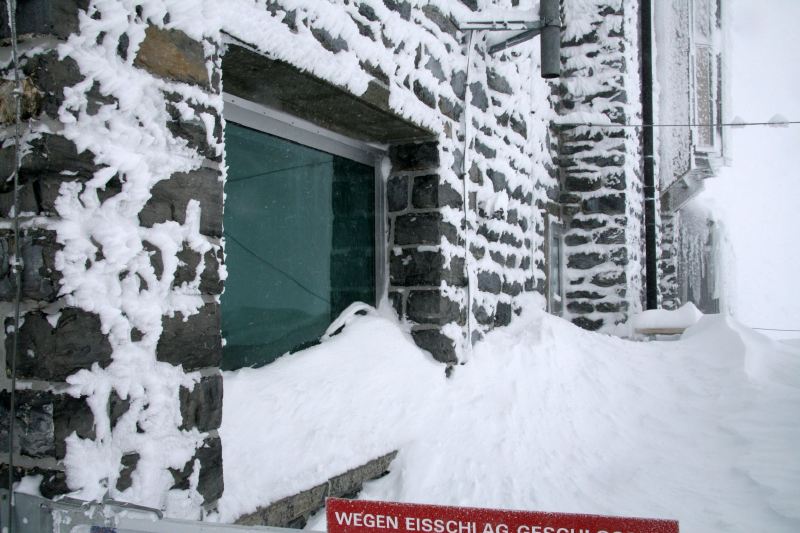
(545, 417)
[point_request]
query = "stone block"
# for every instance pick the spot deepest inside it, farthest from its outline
(609, 279)
(450, 109)
(511, 240)
(295, 510)
(498, 179)
(576, 239)
(607, 205)
(51, 157)
(40, 279)
(619, 256)
(437, 343)
(612, 307)
(210, 483)
(397, 193)
(584, 261)
(413, 267)
(366, 11)
(497, 82)
(582, 184)
(502, 315)
(54, 482)
(189, 263)
(424, 94)
(459, 83)
(586, 223)
(45, 17)
(487, 152)
(128, 466)
(513, 288)
(50, 75)
(194, 342)
(397, 298)
(519, 125)
(30, 101)
(33, 423)
(170, 197)
(446, 24)
(71, 415)
(328, 41)
(430, 192)
(194, 130)
(587, 323)
(201, 407)
(173, 55)
(54, 353)
(433, 307)
(590, 295)
(423, 229)
(479, 98)
(580, 307)
(489, 282)
(400, 6)
(416, 156)
(28, 202)
(611, 236)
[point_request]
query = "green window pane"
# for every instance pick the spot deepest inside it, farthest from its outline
(299, 242)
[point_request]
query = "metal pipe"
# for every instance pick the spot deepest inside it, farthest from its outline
(651, 250)
(549, 12)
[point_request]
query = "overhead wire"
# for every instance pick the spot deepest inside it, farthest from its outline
(780, 124)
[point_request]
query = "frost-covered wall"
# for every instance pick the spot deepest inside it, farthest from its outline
(600, 165)
(689, 75)
(121, 205)
(122, 197)
(454, 273)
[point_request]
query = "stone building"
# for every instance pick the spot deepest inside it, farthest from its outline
(301, 156)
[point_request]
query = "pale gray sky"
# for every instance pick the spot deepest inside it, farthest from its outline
(759, 194)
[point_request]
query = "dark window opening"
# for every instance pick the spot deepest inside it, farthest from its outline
(300, 244)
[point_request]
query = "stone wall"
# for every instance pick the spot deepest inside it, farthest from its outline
(121, 215)
(121, 207)
(600, 165)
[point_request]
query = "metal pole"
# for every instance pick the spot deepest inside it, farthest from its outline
(651, 252)
(11, 8)
(549, 12)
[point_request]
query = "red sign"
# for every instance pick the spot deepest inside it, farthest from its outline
(358, 516)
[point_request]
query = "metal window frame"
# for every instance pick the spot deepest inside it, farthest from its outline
(291, 128)
(555, 227)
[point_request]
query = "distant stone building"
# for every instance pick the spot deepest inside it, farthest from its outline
(303, 156)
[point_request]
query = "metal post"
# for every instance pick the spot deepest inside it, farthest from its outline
(551, 38)
(651, 251)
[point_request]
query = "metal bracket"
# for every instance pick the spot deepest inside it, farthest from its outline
(529, 29)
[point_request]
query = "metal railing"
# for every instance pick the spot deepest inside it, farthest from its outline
(34, 514)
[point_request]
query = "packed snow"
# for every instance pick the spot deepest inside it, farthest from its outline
(545, 417)
(683, 317)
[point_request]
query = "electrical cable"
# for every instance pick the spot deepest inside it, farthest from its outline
(775, 329)
(11, 9)
(689, 125)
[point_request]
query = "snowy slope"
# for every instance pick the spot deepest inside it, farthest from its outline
(545, 417)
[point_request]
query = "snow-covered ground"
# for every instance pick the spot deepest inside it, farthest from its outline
(545, 416)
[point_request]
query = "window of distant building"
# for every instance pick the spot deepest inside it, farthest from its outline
(555, 266)
(300, 232)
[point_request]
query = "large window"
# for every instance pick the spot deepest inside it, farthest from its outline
(300, 239)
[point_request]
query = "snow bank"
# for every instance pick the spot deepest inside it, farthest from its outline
(545, 416)
(683, 317)
(320, 412)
